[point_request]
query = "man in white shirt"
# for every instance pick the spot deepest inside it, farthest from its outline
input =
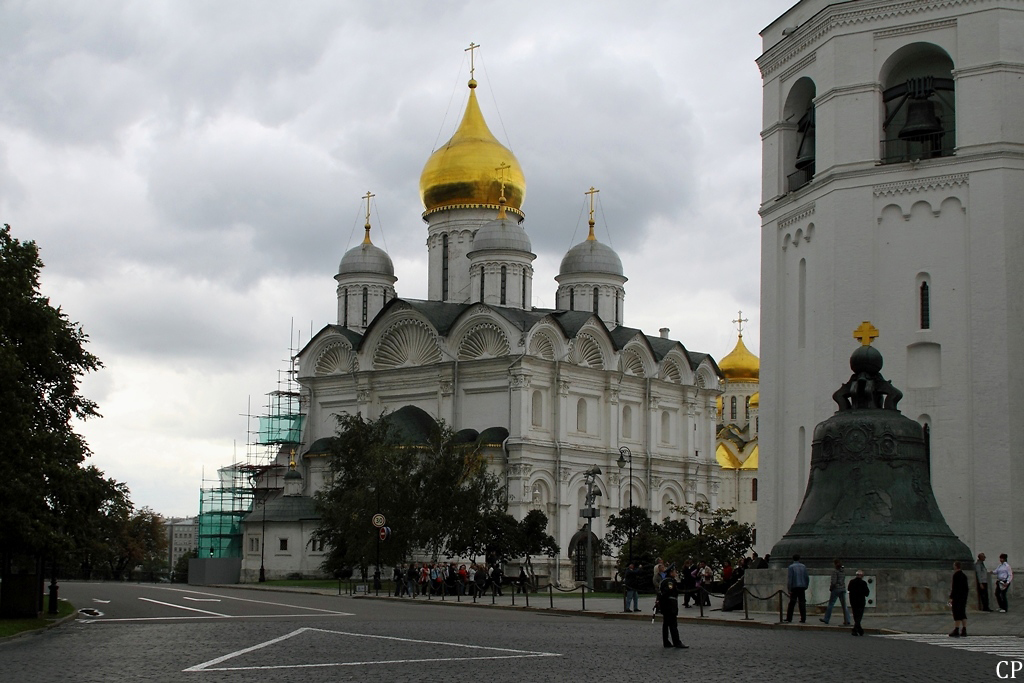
(1004, 575)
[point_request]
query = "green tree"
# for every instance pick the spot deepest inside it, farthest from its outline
(720, 538)
(42, 358)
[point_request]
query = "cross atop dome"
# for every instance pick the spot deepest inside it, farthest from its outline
(739, 322)
(866, 333)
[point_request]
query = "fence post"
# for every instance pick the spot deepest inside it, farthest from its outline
(583, 597)
(780, 607)
(513, 597)
(527, 592)
(551, 595)
(492, 593)
(746, 611)
(700, 599)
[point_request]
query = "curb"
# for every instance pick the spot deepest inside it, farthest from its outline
(42, 629)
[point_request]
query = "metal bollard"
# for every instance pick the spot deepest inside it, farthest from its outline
(780, 606)
(551, 595)
(746, 611)
(583, 596)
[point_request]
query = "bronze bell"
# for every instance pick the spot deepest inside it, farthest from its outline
(805, 153)
(922, 121)
(869, 496)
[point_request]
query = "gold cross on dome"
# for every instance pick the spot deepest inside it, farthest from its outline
(866, 333)
(591, 192)
(472, 51)
(739, 322)
(368, 196)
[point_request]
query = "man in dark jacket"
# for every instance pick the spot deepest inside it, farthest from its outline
(958, 602)
(859, 591)
(630, 581)
(687, 583)
(668, 594)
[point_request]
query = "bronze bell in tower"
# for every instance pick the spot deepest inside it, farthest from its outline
(922, 121)
(805, 153)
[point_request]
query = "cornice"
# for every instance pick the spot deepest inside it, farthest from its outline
(796, 215)
(836, 16)
(920, 185)
(915, 28)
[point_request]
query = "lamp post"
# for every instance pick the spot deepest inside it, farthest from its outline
(589, 513)
(626, 456)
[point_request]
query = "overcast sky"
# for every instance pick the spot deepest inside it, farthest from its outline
(192, 173)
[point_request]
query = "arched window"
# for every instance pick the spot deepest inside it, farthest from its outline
(618, 315)
(366, 297)
(444, 267)
(344, 306)
(732, 408)
(581, 415)
(799, 147)
(595, 300)
(572, 299)
(627, 422)
(925, 307)
(746, 409)
(524, 290)
(504, 275)
(537, 409)
(753, 489)
(666, 427)
(481, 283)
(920, 104)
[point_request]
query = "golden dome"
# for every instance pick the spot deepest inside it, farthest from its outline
(465, 170)
(726, 459)
(755, 400)
(740, 365)
(751, 462)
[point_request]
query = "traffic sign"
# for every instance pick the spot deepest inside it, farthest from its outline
(385, 532)
(378, 520)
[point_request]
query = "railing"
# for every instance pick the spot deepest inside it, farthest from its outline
(802, 176)
(897, 150)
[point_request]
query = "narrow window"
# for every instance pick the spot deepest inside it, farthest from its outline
(627, 422)
(926, 313)
(524, 289)
(581, 415)
(504, 275)
(538, 409)
(618, 319)
(284, 544)
(746, 409)
(595, 300)
(572, 299)
(801, 305)
(666, 427)
(444, 268)
(732, 408)
(366, 296)
(481, 283)
(753, 489)
(345, 307)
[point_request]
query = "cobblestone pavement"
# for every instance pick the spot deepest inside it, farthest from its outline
(228, 634)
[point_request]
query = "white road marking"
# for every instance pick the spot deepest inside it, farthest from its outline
(186, 619)
(513, 654)
(1000, 646)
(102, 602)
(201, 599)
(190, 609)
(258, 602)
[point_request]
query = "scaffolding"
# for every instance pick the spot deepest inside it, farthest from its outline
(273, 441)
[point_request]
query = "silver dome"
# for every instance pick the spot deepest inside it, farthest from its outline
(501, 233)
(366, 258)
(590, 256)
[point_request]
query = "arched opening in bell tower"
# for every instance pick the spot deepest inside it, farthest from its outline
(799, 152)
(919, 104)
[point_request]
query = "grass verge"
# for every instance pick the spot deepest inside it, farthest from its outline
(12, 627)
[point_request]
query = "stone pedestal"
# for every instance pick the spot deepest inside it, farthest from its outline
(893, 591)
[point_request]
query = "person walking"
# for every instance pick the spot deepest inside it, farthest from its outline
(837, 591)
(668, 601)
(629, 582)
(1004, 576)
(796, 583)
(958, 602)
(981, 582)
(859, 592)
(687, 584)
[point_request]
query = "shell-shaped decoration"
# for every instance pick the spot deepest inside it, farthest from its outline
(336, 359)
(542, 347)
(404, 344)
(632, 364)
(483, 341)
(672, 373)
(587, 352)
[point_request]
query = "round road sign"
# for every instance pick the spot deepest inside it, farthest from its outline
(384, 533)
(378, 520)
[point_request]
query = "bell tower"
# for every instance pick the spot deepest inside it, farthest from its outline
(892, 191)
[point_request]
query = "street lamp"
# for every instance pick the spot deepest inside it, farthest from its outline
(589, 513)
(625, 456)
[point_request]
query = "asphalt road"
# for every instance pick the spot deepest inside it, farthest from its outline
(146, 632)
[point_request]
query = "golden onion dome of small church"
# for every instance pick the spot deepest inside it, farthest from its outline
(740, 365)
(471, 168)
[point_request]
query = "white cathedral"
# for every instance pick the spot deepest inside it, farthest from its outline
(550, 392)
(893, 192)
